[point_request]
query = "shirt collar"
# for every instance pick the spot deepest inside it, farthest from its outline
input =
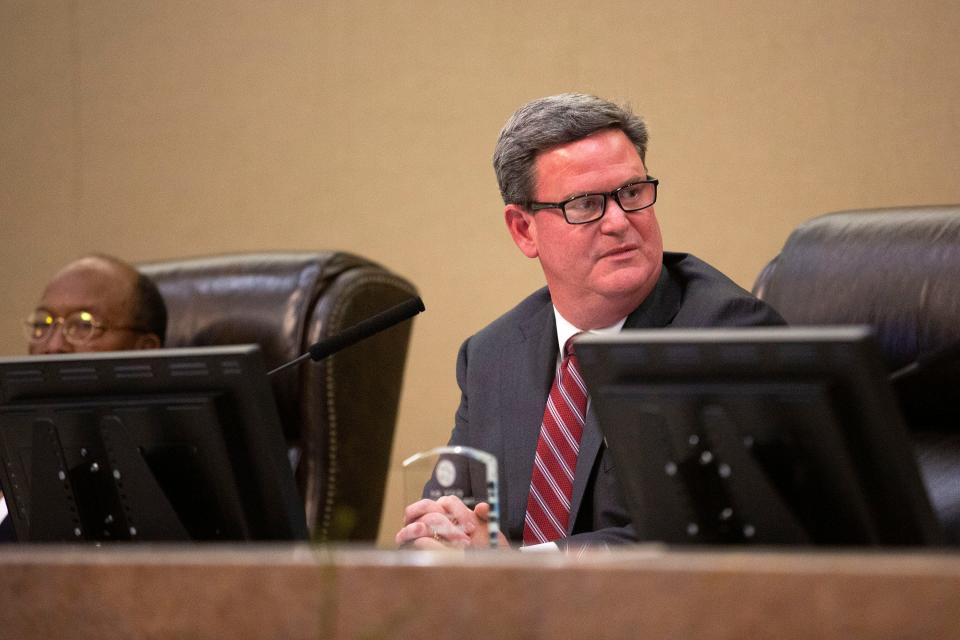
(565, 328)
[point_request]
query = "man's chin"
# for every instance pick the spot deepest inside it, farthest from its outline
(628, 281)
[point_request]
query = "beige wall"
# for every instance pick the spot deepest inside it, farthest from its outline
(162, 129)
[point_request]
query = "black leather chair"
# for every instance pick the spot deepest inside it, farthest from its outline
(897, 270)
(338, 415)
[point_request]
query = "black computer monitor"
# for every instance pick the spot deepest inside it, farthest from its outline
(175, 444)
(768, 435)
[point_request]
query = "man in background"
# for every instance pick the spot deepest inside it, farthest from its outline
(578, 198)
(95, 303)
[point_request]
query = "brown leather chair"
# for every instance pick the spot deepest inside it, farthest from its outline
(339, 414)
(897, 270)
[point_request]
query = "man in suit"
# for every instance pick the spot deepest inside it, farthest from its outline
(572, 173)
(95, 303)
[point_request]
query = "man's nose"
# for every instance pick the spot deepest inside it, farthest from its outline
(57, 342)
(614, 218)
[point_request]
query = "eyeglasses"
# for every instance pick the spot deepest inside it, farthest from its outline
(79, 327)
(589, 207)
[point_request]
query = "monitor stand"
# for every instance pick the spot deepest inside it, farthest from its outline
(111, 494)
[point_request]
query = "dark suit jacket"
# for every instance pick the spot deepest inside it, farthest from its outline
(505, 372)
(7, 533)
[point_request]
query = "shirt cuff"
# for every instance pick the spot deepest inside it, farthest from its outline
(544, 547)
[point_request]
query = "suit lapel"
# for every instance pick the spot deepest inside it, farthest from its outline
(589, 448)
(660, 307)
(529, 364)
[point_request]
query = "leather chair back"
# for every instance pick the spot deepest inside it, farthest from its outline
(339, 414)
(897, 270)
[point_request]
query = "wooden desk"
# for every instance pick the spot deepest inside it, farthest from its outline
(301, 592)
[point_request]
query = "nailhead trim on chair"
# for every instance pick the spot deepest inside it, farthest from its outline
(336, 319)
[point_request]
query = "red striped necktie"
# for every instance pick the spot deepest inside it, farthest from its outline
(551, 485)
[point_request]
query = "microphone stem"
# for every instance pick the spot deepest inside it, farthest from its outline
(286, 365)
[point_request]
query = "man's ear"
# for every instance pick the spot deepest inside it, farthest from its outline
(148, 341)
(522, 230)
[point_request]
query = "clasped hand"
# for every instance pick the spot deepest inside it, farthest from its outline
(446, 523)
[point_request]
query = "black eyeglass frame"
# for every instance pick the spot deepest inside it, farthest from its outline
(615, 194)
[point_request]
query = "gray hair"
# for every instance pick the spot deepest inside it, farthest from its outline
(554, 120)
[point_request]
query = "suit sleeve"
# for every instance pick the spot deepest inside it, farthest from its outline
(462, 485)
(461, 425)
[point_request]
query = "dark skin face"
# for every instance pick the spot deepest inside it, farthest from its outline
(105, 289)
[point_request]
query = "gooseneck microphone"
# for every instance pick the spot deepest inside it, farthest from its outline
(356, 333)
